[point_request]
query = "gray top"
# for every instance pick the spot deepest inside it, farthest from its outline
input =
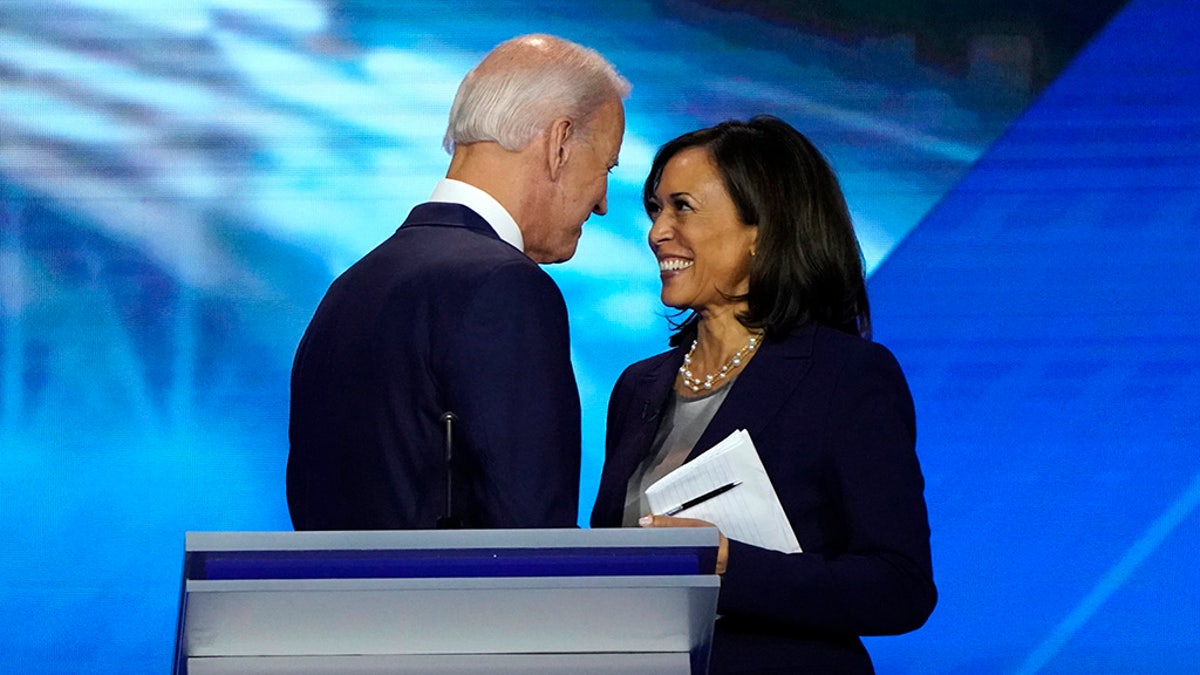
(683, 421)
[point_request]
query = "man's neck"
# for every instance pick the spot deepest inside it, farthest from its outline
(501, 173)
(483, 204)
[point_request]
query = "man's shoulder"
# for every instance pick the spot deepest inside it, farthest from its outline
(469, 270)
(453, 243)
(465, 249)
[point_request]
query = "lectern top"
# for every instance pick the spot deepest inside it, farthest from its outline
(229, 556)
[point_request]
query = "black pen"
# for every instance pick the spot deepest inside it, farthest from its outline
(702, 498)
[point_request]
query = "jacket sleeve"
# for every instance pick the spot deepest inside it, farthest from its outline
(880, 580)
(510, 381)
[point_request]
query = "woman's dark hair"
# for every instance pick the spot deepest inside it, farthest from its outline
(808, 264)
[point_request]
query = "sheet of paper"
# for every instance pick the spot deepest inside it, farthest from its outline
(749, 513)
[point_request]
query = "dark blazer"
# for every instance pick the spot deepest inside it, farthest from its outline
(832, 419)
(442, 316)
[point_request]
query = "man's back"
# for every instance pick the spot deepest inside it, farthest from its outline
(453, 314)
(443, 316)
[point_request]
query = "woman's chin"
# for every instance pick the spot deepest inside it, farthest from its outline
(674, 303)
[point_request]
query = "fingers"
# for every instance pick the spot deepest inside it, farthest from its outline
(671, 521)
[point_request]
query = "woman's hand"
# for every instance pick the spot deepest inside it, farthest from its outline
(672, 521)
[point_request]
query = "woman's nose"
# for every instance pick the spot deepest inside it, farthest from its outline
(660, 231)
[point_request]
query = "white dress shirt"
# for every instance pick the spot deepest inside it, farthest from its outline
(458, 192)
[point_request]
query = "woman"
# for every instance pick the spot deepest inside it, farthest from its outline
(753, 237)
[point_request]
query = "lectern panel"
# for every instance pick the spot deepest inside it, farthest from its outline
(498, 600)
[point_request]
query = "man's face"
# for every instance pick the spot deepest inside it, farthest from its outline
(582, 187)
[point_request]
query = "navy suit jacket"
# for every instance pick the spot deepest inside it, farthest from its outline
(442, 316)
(833, 421)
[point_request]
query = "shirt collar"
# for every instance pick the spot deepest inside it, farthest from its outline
(458, 192)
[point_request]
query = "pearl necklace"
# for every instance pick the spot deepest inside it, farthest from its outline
(696, 384)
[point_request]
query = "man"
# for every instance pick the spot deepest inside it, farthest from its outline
(453, 315)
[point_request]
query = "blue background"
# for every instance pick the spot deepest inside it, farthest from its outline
(178, 187)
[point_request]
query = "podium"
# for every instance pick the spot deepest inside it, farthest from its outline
(448, 601)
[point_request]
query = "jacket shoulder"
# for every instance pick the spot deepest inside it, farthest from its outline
(831, 343)
(638, 369)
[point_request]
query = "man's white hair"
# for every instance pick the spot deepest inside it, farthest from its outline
(523, 84)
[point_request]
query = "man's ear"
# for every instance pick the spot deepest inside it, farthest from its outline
(557, 149)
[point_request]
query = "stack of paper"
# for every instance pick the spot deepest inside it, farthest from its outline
(749, 513)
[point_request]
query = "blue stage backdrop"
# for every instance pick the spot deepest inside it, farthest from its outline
(179, 183)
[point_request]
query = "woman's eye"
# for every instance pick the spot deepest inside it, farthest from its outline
(681, 205)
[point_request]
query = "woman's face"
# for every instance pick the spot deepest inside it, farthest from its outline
(703, 249)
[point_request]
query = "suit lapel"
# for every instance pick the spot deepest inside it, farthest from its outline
(761, 389)
(653, 389)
